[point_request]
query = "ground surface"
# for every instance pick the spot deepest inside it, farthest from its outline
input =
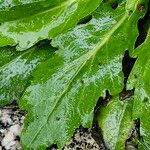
(11, 123)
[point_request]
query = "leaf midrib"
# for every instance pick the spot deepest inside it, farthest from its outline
(89, 55)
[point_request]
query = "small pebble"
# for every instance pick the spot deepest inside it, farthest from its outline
(10, 128)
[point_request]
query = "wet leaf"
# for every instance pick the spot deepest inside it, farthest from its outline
(27, 22)
(16, 9)
(16, 70)
(66, 87)
(115, 122)
(140, 80)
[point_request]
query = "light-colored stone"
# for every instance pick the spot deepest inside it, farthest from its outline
(15, 129)
(8, 140)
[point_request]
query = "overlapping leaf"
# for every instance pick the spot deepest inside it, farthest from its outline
(16, 70)
(115, 122)
(27, 22)
(16, 9)
(66, 87)
(140, 80)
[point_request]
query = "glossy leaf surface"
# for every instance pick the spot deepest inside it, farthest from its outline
(132, 5)
(65, 88)
(115, 122)
(16, 69)
(27, 28)
(140, 80)
(16, 9)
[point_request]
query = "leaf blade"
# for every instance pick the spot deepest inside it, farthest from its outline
(25, 32)
(139, 79)
(77, 78)
(116, 122)
(16, 70)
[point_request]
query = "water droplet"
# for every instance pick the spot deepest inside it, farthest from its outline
(54, 17)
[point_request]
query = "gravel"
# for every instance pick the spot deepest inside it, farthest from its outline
(82, 140)
(11, 123)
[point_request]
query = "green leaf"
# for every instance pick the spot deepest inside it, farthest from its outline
(46, 20)
(131, 5)
(16, 70)
(66, 88)
(115, 122)
(15, 9)
(140, 80)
